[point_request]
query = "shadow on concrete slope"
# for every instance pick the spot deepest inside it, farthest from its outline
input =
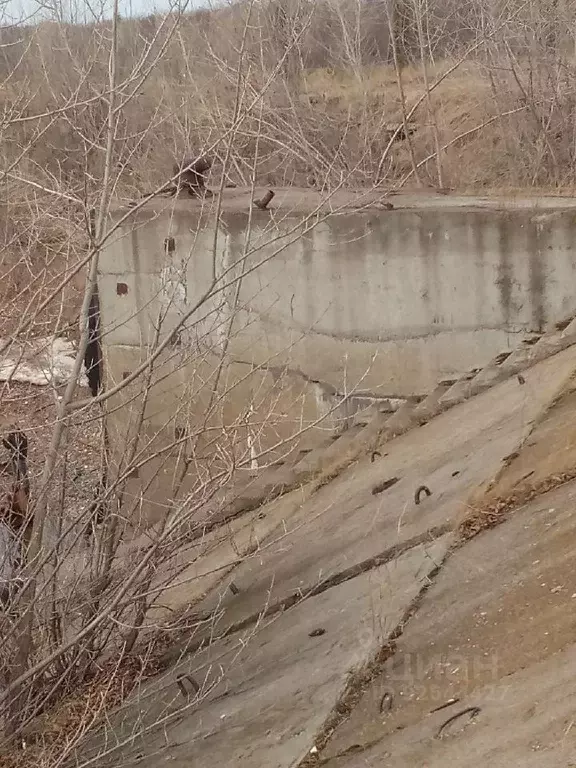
(349, 622)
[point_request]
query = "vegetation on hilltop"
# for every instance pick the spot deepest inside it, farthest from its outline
(319, 84)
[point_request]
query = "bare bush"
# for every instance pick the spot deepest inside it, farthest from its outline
(321, 94)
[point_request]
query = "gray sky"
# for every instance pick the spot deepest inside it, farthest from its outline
(17, 11)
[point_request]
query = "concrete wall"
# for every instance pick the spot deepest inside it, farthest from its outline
(429, 293)
(404, 298)
(387, 302)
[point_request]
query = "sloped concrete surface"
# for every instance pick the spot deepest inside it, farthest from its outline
(496, 631)
(549, 450)
(345, 523)
(353, 559)
(526, 721)
(271, 690)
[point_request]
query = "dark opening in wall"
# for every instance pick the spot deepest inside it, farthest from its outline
(93, 354)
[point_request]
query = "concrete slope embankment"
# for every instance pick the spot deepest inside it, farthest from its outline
(325, 593)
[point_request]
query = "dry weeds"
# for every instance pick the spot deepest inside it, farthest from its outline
(482, 519)
(44, 740)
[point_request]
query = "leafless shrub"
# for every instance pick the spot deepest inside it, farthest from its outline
(329, 94)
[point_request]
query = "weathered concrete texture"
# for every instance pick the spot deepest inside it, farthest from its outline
(270, 686)
(266, 694)
(550, 449)
(266, 418)
(496, 631)
(526, 721)
(443, 287)
(345, 523)
(365, 301)
(280, 405)
(390, 301)
(427, 295)
(202, 566)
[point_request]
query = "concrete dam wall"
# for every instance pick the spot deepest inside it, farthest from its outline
(397, 300)
(289, 309)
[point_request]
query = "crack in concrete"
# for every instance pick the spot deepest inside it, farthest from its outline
(358, 681)
(284, 370)
(361, 679)
(282, 322)
(175, 654)
(244, 506)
